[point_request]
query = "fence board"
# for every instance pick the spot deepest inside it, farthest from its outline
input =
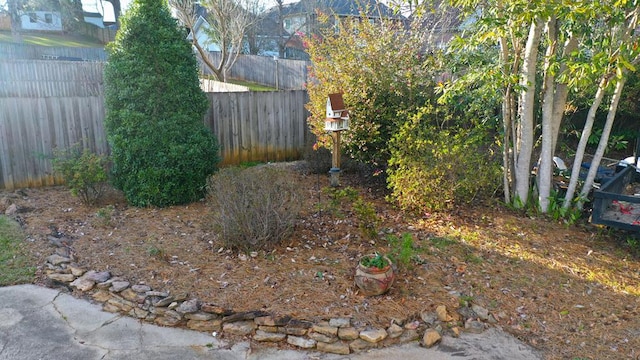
(250, 126)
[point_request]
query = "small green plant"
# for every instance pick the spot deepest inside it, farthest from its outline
(105, 215)
(337, 197)
(155, 252)
(377, 260)
(84, 172)
(368, 220)
(442, 242)
(402, 249)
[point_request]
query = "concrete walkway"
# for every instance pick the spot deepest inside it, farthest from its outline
(40, 323)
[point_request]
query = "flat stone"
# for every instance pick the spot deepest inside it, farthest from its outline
(243, 316)
(409, 335)
(75, 270)
(441, 314)
(428, 317)
(101, 296)
(212, 308)
(322, 337)
(164, 302)
(430, 338)
(359, 345)
(264, 336)
(395, 331)
(205, 325)
(269, 329)
(141, 288)
(167, 321)
(474, 326)
(83, 284)
(326, 330)
(123, 304)
(334, 348)
(67, 278)
(188, 307)
(297, 331)
(373, 335)
(239, 327)
(264, 321)
(340, 322)
(131, 295)
(348, 333)
(56, 259)
(161, 294)
(174, 314)
(301, 342)
(200, 316)
(138, 313)
(110, 308)
(455, 331)
(482, 313)
(118, 286)
(96, 276)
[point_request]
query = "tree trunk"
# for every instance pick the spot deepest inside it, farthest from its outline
(526, 112)
(582, 144)
(544, 175)
(15, 21)
(602, 145)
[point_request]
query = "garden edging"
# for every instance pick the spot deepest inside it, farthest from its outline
(332, 335)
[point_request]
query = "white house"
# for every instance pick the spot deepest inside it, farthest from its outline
(200, 30)
(41, 20)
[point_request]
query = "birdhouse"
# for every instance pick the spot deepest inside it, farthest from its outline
(337, 116)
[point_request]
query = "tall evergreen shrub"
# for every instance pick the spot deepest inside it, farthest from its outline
(162, 152)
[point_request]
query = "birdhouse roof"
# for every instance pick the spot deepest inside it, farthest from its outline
(336, 102)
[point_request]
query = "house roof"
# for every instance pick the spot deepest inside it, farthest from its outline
(336, 101)
(372, 8)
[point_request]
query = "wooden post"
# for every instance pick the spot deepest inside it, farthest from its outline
(335, 164)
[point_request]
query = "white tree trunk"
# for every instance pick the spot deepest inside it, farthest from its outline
(545, 167)
(582, 144)
(604, 140)
(526, 115)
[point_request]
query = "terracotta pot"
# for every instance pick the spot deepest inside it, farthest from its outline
(372, 280)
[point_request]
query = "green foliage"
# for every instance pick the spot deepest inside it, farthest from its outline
(382, 72)
(377, 260)
(368, 220)
(104, 216)
(556, 211)
(253, 208)
(162, 152)
(82, 171)
(15, 262)
(433, 168)
(337, 197)
(403, 250)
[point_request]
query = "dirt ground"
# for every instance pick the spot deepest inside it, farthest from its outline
(570, 291)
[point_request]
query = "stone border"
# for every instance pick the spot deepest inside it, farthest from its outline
(334, 335)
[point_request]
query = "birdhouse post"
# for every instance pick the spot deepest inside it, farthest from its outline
(337, 120)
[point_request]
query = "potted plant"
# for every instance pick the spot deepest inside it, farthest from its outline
(374, 274)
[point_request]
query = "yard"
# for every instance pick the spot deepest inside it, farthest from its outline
(570, 291)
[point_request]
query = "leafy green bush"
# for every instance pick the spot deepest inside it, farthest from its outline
(382, 72)
(83, 172)
(432, 168)
(368, 220)
(253, 208)
(162, 152)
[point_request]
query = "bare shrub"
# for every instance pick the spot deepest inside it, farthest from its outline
(253, 208)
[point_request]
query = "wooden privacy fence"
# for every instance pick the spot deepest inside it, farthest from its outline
(37, 52)
(39, 78)
(250, 126)
(283, 74)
